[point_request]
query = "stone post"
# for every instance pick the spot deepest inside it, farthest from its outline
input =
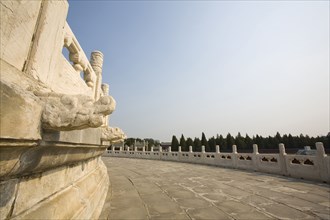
(234, 147)
(179, 150)
(190, 149)
(217, 149)
(160, 149)
(282, 159)
(322, 164)
(255, 149)
(120, 148)
(203, 149)
(169, 149)
(234, 156)
(152, 149)
(112, 148)
(143, 149)
(255, 157)
(127, 148)
(135, 148)
(105, 91)
(97, 63)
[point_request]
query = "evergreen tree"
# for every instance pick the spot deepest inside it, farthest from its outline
(239, 141)
(248, 142)
(205, 143)
(230, 141)
(222, 143)
(285, 140)
(259, 141)
(189, 142)
(183, 143)
(197, 145)
(174, 144)
(291, 143)
(211, 144)
(278, 138)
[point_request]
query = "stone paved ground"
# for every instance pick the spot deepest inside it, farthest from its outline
(148, 189)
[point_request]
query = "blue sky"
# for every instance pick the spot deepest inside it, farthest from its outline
(187, 67)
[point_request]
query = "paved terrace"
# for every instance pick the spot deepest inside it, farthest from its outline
(149, 189)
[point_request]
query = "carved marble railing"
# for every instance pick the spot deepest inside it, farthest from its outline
(316, 167)
(54, 123)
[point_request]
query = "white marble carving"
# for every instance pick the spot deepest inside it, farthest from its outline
(72, 112)
(114, 135)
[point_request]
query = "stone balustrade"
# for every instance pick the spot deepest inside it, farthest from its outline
(310, 167)
(54, 123)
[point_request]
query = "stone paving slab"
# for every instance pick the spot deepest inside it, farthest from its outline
(150, 189)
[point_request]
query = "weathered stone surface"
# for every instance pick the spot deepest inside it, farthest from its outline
(18, 21)
(188, 191)
(114, 135)
(90, 136)
(8, 192)
(46, 48)
(67, 112)
(65, 193)
(20, 111)
(29, 160)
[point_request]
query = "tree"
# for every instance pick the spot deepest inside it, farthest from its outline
(278, 138)
(239, 141)
(291, 142)
(259, 141)
(248, 142)
(197, 145)
(183, 143)
(189, 142)
(205, 143)
(222, 143)
(129, 141)
(212, 144)
(230, 141)
(175, 143)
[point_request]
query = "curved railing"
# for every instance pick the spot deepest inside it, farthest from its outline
(310, 167)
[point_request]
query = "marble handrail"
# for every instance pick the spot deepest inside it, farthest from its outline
(310, 167)
(78, 57)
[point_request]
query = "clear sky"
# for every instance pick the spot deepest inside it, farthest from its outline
(174, 67)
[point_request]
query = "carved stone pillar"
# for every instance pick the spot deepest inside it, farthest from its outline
(97, 63)
(105, 91)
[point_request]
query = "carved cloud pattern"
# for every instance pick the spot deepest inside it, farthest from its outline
(74, 112)
(114, 135)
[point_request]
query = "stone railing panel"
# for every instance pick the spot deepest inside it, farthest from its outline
(225, 159)
(298, 166)
(302, 166)
(68, 81)
(244, 161)
(80, 62)
(268, 163)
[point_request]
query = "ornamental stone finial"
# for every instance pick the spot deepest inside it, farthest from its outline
(97, 62)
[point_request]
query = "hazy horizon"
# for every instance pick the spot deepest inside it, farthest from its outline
(218, 67)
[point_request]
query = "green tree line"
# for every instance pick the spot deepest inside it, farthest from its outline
(246, 142)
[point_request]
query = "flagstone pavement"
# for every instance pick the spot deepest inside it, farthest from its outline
(150, 189)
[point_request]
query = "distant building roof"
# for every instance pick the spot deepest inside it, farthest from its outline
(165, 144)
